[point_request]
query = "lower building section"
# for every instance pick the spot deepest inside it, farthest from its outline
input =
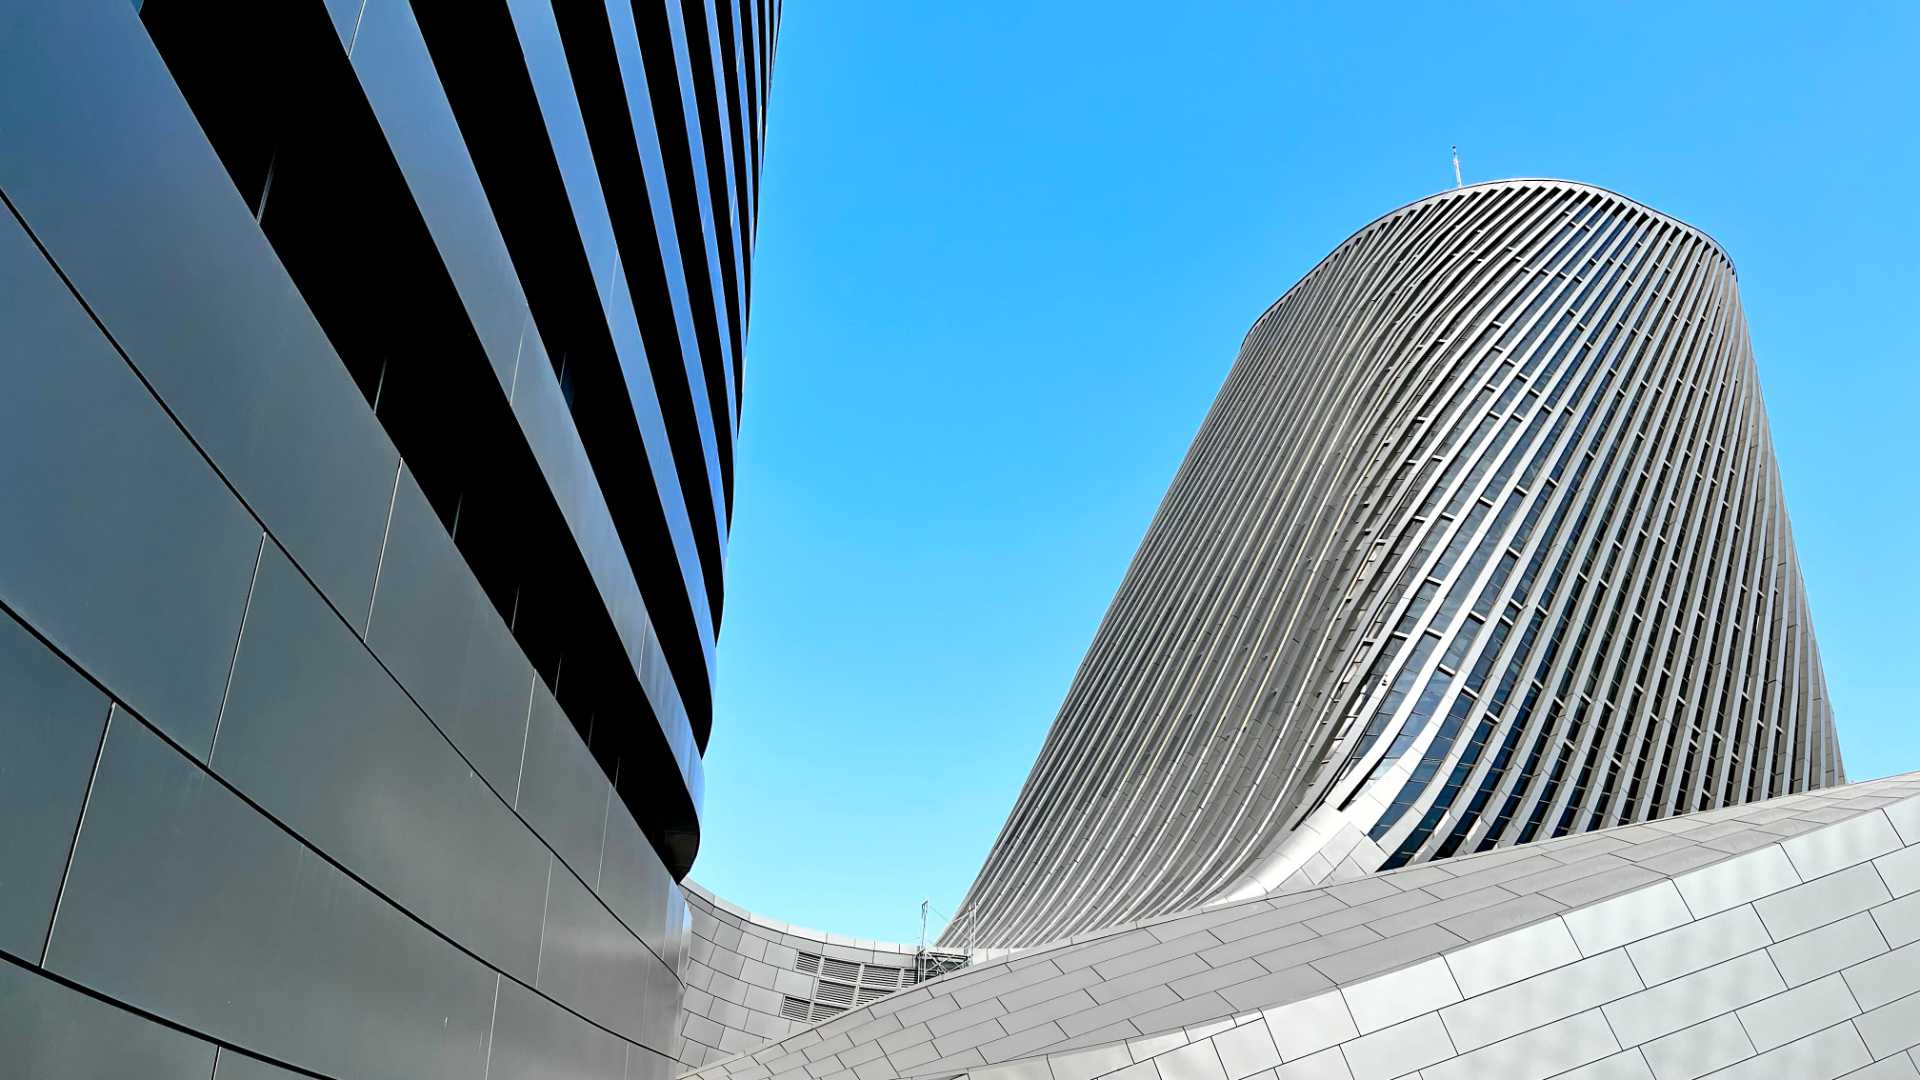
(752, 980)
(250, 827)
(1775, 939)
(336, 891)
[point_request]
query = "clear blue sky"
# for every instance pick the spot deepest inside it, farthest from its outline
(1007, 252)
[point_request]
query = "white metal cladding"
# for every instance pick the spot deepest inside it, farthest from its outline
(751, 980)
(1720, 930)
(1482, 542)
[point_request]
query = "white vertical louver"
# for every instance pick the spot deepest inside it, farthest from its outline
(1482, 542)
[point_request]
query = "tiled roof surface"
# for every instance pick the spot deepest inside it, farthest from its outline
(1102, 1001)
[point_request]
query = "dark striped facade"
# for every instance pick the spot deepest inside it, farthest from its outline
(372, 377)
(1482, 543)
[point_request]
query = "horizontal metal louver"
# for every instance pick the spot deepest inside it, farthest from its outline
(836, 993)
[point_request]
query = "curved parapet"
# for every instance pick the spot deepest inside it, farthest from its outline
(752, 980)
(1482, 543)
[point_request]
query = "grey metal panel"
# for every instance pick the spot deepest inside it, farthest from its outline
(237, 1066)
(166, 253)
(679, 931)
(397, 74)
(534, 1039)
(644, 1064)
(444, 641)
(184, 901)
(102, 489)
(660, 1020)
(50, 1032)
(51, 720)
(563, 794)
(593, 965)
(319, 735)
(634, 883)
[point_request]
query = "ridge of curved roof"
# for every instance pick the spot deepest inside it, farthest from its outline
(1538, 181)
(1480, 186)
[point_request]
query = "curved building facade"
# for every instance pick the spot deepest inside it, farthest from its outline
(366, 447)
(752, 980)
(1481, 543)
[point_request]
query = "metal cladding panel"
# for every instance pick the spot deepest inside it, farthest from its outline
(1482, 542)
(636, 886)
(590, 963)
(240, 1067)
(433, 626)
(106, 490)
(186, 903)
(116, 180)
(320, 736)
(50, 727)
(51, 1032)
(533, 1039)
(562, 793)
(643, 1064)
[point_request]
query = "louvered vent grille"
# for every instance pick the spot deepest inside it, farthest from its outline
(872, 976)
(843, 984)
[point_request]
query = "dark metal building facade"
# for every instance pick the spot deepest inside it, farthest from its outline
(371, 379)
(1482, 542)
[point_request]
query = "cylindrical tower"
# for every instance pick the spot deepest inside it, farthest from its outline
(366, 454)
(1482, 542)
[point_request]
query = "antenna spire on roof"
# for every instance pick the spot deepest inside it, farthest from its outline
(1456, 167)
